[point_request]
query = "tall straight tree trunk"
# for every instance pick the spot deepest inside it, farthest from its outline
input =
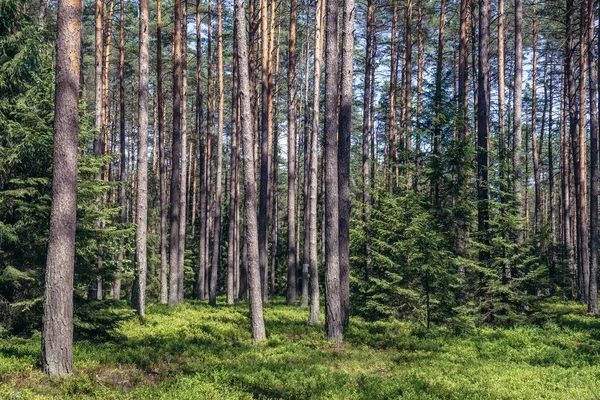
(333, 312)
(483, 122)
(218, 178)
(164, 284)
(307, 174)
(275, 160)
(263, 218)
(184, 166)
(345, 133)
(501, 90)
(579, 158)
(314, 318)
(437, 131)
(250, 201)
(122, 157)
(98, 117)
(57, 321)
(463, 67)
(593, 96)
(366, 132)
(139, 298)
(534, 145)
(175, 159)
(420, 69)
(551, 188)
(292, 104)
(209, 222)
(202, 157)
(517, 109)
(392, 141)
(407, 89)
(233, 221)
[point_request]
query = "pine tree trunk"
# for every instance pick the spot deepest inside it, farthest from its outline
(366, 133)
(139, 298)
(175, 159)
(314, 317)
(483, 123)
(123, 161)
(263, 218)
(517, 117)
(439, 73)
(593, 93)
(218, 179)
(534, 146)
(392, 141)
(345, 133)
(250, 203)
(233, 222)
(333, 312)
(292, 292)
(164, 288)
(184, 166)
(57, 321)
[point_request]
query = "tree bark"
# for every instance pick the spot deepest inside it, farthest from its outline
(57, 321)
(164, 288)
(218, 179)
(593, 96)
(292, 104)
(345, 133)
(314, 317)
(250, 220)
(263, 218)
(183, 157)
(175, 159)
(139, 298)
(517, 110)
(122, 157)
(483, 123)
(333, 312)
(233, 221)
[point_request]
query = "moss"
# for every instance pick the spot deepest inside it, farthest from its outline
(194, 351)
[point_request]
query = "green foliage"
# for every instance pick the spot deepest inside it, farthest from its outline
(195, 351)
(413, 268)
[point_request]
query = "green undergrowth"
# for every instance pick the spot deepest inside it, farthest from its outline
(194, 351)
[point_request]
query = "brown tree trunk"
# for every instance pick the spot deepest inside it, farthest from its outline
(263, 218)
(392, 141)
(291, 202)
(175, 159)
(139, 293)
(184, 166)
(345, 133)
(314, 317)
(164, 288)
(233, 222)
(306, 184)
(483, 122)
(57, 321)
(534, 145)
(593, 93)
(250, 203)
(202, 249)
(366, 133)
(439, 73)
(123, 162)
(333, 312)
(218, 179)
(517, 114)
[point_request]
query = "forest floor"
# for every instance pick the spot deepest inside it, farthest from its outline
(194, 351)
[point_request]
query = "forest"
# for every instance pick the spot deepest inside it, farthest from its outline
(299, 199)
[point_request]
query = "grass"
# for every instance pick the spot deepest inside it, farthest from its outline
(193, 351)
